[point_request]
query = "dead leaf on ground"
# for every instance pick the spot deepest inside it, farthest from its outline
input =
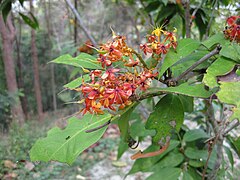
(29, 166)
(10, 176)
(9, 164)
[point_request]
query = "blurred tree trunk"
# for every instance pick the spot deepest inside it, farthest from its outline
(75, 27)
(36, 71)
(20, 76)
(47, 14)
(8, 34)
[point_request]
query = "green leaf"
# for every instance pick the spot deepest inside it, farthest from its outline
(138, 130)
(171, 58)
(5, 8)
(230, 93)
(196, 163)
(65, 145)
(195, 134)
(187, 103)
(21, 2)
(187, 46)
(77, 82)
(184, 48)
(83, 60)
(151, 63)
(195, 90)
(201, 22)
(193, 153)
(230, 156)
(187, 176)
(166, 12)
(194, 174)
(231, 51)
(122, 147)
(215, 39)
(202, 155)
(220, 67)
(173, 159)
(235, 144)
(145, 164)
(168, 173)
(123, 121)
(167, 116)
(33, 23)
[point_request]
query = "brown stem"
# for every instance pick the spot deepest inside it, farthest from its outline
(139, 154)
(99, 127)
(235, 123)
(200, 61)
(85, 30)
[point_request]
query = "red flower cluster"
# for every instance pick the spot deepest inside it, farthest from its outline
(111, 89)
(232, 31)
(156, 46)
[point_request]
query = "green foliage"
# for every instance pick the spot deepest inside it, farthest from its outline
(230, 93)
(167, 116)
(145, 165)
(123, 122)
(194, 135)
(33, 23)
(220, 67)
(168, 174)
(188, 153)
(193, 90)
(77, 82)
(6, 7)
(65, 145)
(83, 61)
(184, 48)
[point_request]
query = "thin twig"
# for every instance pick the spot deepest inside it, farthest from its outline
(235, 123)
(204, 58)
(85, 30)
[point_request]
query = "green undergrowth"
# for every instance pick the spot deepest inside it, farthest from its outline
(15, 161)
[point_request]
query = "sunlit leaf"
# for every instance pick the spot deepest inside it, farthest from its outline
(167, 116)
(77, 82)
(65, 145)
(230, 93)
(231, 51)
(184, 48)
(215, 39)
(220, 67)
(83, 60)
(194, 90)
